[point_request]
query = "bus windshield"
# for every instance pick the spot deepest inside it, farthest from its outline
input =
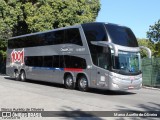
(127, 63)
(121, 35)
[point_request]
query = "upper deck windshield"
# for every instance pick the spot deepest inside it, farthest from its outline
(121, 35)
(127, 63)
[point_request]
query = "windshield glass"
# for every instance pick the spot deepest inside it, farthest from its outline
(121, 35)
(127, 63)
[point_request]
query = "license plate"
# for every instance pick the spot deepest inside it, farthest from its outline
(130, 87)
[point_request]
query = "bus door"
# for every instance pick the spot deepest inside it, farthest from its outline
(102, 78)
(102, 70)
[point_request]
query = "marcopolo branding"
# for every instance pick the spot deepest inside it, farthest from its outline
(17, 56)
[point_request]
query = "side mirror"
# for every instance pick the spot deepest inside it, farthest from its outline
(105, 44)
(148, 51)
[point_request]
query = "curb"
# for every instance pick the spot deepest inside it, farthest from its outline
(3, 74)
(153, 88)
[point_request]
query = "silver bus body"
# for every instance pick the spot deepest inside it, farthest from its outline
(94, 59)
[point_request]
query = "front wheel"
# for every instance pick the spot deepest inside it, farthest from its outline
(23, 76)
(83, 84)
(68, 82)
(16, 75)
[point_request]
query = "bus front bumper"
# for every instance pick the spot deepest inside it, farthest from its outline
(125, 82)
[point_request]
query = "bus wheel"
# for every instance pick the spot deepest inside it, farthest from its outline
(83, 84)
(23, 76)
(16, 75)
(69, 83)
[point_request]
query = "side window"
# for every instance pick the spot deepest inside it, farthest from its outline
(58, 37)
(29, 61)
(95, 32)
(30, 41)
(73, 36)
(40, 40)
(21, 43)
(47, 61)
(67, 61)
(38, 61)
(49, 37)
(56, 61)
(78, 62)
(16, 43)
(75, 62)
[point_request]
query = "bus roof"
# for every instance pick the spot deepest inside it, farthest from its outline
(62, 28)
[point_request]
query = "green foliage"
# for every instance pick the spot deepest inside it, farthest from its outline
(26, 16)
(154, 35)
(2, 56)
(19, 17)
(146, 43)
(157, 49)
(2, 50)
(154, 32)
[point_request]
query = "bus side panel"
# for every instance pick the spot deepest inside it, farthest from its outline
(9, 66)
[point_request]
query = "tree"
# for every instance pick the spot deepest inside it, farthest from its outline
(146, 43)
(27, 16)
(157, 49)
(154, 32)
(2, 55)
(19, 17)
(154, 35)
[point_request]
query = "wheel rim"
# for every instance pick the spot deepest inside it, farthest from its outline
(16, 74)
(22, 76)
(83, 83)
(69, 81)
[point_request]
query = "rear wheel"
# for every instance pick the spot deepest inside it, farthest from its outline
(83, 84)
(16, 75)
(23, 76)
(68, 82)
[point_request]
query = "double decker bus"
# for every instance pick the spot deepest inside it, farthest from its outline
(91, 55)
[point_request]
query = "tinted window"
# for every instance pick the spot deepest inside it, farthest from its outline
(16, 43)
(101, 56)
(50, 38)
(78, 62)
(56, 62)
(38, 61)
(122, 35)
(95, 32)
(34, 61)
(73, 36)
(74, 62)
(58, 37)
(47, 61)
(29, 61)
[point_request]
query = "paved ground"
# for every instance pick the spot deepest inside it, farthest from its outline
(53, 97)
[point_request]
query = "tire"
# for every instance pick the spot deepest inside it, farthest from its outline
(69, 82)
(16, 75)
(83, 84)
(23, 76)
